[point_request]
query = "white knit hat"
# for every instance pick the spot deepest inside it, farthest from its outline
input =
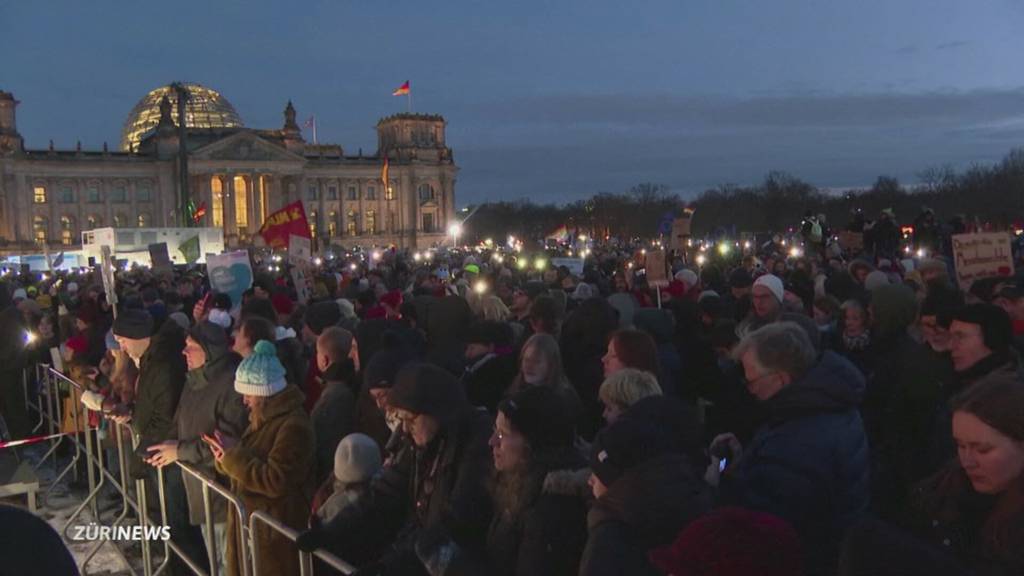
(688, 277)
(773, 284)
(356, 459)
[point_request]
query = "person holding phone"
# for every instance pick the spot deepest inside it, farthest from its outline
(808, 464)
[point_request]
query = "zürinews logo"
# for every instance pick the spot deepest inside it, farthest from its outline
(93, 532)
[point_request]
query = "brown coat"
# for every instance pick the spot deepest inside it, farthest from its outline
(271, 469)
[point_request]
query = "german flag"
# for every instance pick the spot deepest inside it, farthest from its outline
(402, 90)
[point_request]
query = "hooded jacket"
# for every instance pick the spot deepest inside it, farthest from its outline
(161, 377)
(809, 463)
(644, 509)
(333, 415)
(208, 402)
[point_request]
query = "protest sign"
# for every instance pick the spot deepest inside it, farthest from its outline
(299, 249)
(159, 258)
(981, 255)
(575, 265)
(657, 275)
(230, 274)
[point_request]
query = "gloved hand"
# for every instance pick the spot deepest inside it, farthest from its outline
(93, 400)
(311, 539)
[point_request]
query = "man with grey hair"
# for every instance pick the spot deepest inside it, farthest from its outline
(809, 463)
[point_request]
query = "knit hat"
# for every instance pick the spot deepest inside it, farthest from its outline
(283, 305)
(732, 542)
(688, 277)
(490, 332)
(261, 374)
(540, 414)
(740, 278)
(72, 287)
(584, 291)
(348, 310)
(392, 299)
(321, 315)
(220, 317)
(77, 344)
(996, 328)
(773, 284)
(875, 279)
(428, 389)
(19, 294)
(181, 319)
(383, 366)
(356, 459)
(472, 268)
(133, 324)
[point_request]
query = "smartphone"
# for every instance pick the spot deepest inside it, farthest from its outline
(722, 464)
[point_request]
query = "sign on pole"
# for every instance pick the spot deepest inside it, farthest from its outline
(575, 265)
(230, 274)
(107, 273)
(159, 258)
(981, 255)
(299, 249)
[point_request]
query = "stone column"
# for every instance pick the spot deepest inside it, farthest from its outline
(228, 201)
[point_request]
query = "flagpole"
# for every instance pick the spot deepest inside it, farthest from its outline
(409, 101)
(314, 129)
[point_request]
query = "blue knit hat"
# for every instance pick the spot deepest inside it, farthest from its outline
(261, 374)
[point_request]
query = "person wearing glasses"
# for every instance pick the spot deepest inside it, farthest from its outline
(808, 464)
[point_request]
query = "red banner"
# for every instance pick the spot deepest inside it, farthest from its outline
(285, 222)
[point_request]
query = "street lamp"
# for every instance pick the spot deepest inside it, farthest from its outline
(455, 230)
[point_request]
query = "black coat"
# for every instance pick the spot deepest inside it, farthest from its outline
(333, 415)
(162, 372)
(644, 509)
(809, 463)
(486, 384)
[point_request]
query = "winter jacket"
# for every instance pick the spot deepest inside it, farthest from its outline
(544, 537)
(644, 509)
(271, 469)
(660, 325)
(440, 489)
(487, 379)
(809, 463)
(333, 415)
(208, 402)
(162, 372)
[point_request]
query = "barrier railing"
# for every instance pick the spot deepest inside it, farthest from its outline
(305, 558)
(49, 382)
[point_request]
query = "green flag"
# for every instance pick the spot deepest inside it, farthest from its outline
(190, 249)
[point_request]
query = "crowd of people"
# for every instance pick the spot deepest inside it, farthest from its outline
(771, 415)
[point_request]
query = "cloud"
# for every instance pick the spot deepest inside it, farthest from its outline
(565, 147)
(908, 49)
(954, 45)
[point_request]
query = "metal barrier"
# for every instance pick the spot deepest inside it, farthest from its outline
(305, 558)
(99, 476)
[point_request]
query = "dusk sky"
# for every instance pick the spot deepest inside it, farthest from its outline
(557, 100)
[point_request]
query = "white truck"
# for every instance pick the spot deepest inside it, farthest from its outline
(132, 244)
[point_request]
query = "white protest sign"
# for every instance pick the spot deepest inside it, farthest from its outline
(981, 255)
(575, 265)
(107, 273)
(301, 276)
(300, 249)
(230, 274)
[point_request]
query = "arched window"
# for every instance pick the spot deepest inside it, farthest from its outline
(40, 228)
(119, 220)
(93, 221)
(217, 196)
(144, 220)
(241, 203)
(313, 218)
(39, 194)
(67, 230)
(352, 226)
(426, 192)
(332, 224)
(370, 223)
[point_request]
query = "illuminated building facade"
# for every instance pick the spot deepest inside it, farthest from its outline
(240, 174)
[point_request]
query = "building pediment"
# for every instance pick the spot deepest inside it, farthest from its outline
(245, 147)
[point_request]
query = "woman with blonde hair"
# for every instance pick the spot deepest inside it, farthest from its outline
(623, 389)
(492, 308)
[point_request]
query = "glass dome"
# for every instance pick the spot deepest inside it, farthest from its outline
(205, 109)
